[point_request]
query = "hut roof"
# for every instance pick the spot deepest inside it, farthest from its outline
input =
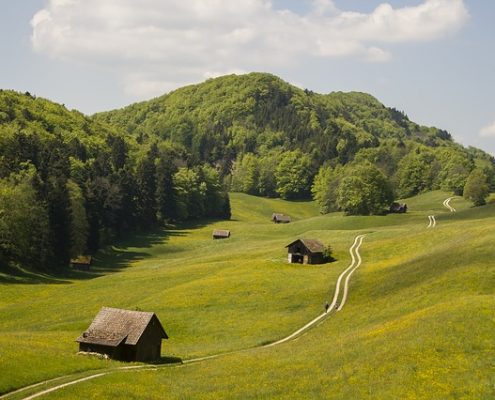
(113, 326)
(221, 233)
(85, 260)
(313, 245)
(394, 207)
(281, 217)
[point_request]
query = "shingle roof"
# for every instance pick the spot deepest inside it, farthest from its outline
(313, 245)
(112, 326)
(281, 217)
(86, 260)
(221, 233)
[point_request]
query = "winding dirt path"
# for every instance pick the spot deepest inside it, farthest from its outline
(334, 306)
(355, 263)
(446, 204)
(65, 385)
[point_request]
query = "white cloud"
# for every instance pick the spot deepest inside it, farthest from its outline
(375, 54)
(158, 44)
(488, 131)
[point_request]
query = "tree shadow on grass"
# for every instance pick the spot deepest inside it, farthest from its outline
(167, 360)
(110, 259)
(17, 275)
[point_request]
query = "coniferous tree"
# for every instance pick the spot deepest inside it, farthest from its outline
(146, 188)
(226, 211)
(57, 199)
(79, 222)
(166, 194)
(126, 218)
(119, 151)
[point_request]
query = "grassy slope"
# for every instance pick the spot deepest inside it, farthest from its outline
(418, 323)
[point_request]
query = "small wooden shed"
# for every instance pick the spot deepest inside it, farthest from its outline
(81, 262)
(124, 335)
(221, 234)
(398, 208)
(281, 218)
(306, 251)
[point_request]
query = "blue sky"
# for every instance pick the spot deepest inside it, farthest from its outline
(434, 59)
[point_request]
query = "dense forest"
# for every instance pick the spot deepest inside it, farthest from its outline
(268, 138)
(72, 183)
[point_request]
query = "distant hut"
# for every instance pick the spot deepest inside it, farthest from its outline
(398, 208)
(81, 262)
(280, 218)
(221, 234)
(124, 335)
(306, 251)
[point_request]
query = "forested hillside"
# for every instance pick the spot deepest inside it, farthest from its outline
(69, 184)
(269, 138)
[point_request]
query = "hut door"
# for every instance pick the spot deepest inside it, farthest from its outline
(297, 259)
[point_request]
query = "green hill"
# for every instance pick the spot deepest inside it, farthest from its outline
(418, 322)
(256, 112)
(139, 185)
(70, 184)
(269, 138)
(79, 183)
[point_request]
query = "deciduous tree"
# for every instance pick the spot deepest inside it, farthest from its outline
(476, 188)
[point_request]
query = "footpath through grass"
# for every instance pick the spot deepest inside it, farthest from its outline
(418, 322)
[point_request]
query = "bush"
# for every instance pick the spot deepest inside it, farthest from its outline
(328, 254)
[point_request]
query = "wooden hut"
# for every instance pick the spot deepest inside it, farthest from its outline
(221, 234)
(280, 218)
(81, 262)
(306, 251)
(124, 335)
(398, 208)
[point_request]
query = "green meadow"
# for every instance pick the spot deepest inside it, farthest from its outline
(418, 324)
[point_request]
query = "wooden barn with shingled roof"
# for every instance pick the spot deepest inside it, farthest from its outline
(398, 208)
(124, 335)
(306, 251)
(221, 234)
(81, 262)
(281, 218)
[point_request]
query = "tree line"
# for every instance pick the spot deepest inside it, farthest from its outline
(69, 185)
(269, 138)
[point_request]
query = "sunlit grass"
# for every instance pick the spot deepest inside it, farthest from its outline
(418, 322)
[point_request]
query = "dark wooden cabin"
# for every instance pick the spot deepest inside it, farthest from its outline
(306, 251)
(81, 262)
(280, 218)
(221, 234)
(124, 335)
(398, 208)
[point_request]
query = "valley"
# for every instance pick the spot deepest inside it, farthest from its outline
(417, 320)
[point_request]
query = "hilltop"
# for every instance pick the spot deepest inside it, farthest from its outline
(270, 138)
(256, 112)
(79, 183)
